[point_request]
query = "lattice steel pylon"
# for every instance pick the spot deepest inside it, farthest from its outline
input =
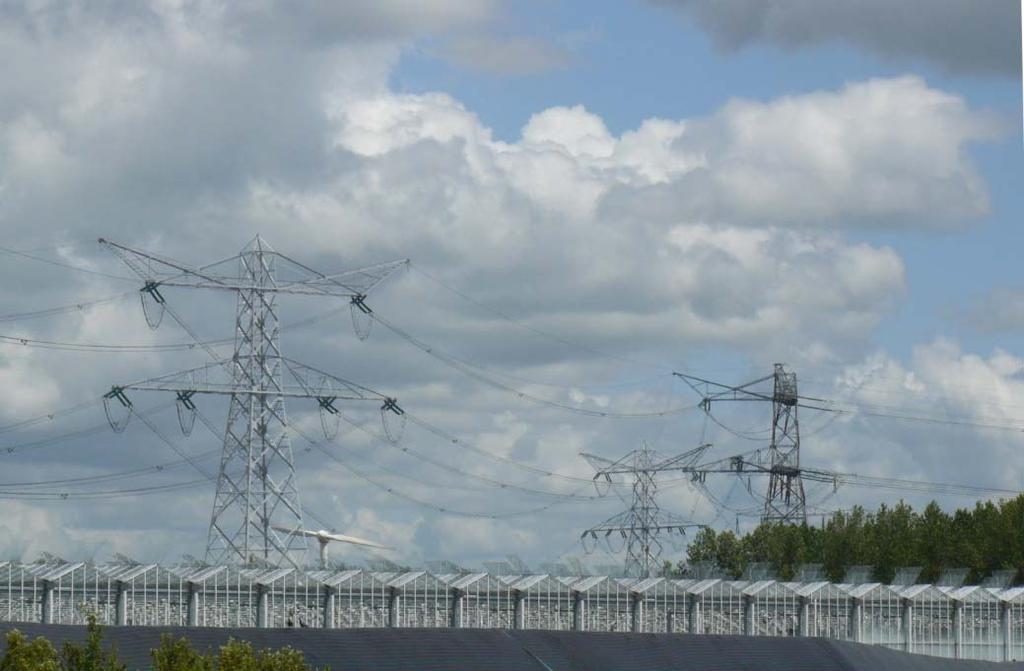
(785, 501)
(644, 521)
(256, 485)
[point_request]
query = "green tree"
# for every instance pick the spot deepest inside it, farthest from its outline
(92, 656)
(238, 655)
(177, 655)
(25, 655)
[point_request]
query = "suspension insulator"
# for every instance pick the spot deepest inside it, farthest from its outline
(362, 319)
(393, 423)
(118, 408)
(186, 412)
(330, 419)
(153, 304)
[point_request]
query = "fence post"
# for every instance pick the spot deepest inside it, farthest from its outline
(121, 605)
(958, 629)
(518, 609)
(1005, 624)
(193, 604)
(457, 603)
(579, 606)
(636, 612)
(262, 598)
(856, 620)
(47, 614)
(694, 621)
(394, 606)
(803, 624)
(748, 615)
(908, 625)
(329, 606)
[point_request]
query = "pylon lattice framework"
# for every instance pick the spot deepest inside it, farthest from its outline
(644, 521)
(785, 501)
(256, 485)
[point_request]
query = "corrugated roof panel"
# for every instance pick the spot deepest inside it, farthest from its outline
(810, 589)
(757, 587)
(528, 581)
(467, 580)
(702, 586)
(588, 583)
(642, 586)
(58, 572)
(272, 576)
(404, 579)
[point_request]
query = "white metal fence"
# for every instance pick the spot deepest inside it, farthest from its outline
(967, 622)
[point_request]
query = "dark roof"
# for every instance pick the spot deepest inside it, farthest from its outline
(494, 650)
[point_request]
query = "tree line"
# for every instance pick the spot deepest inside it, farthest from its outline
(985, 539)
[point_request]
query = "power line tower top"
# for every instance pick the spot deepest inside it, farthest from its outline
(256, 514)
(785, 501)
(644, 521)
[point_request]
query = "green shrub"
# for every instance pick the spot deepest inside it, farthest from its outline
(91, 656)
(235, 655)
(177, 655)
(25, 655)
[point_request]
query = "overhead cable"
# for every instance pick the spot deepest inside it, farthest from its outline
(470, 371)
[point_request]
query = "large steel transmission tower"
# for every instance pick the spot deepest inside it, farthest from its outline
(257, 515)
(644, 521)
(785, 501)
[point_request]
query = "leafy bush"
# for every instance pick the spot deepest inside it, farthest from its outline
(235, 655)
(25, 655)
(91, 656)
(178, 655)
(172, 655)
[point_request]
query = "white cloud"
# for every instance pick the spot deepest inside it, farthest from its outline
(182, 129)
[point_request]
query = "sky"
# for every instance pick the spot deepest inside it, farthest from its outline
(592, 196)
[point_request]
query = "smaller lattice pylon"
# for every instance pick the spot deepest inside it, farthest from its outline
(640, 526)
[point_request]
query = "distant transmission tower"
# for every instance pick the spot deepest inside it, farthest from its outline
(785, 501)
(257, 516)
(644, 521)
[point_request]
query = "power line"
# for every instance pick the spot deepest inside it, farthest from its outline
(99, 347)
(73, 435)
(469, 371)
(417, 501)
(67, 266)
(64, 309)
(105, 494)
(404, 448)
(105, 477)
(50, 416)
(533, 329)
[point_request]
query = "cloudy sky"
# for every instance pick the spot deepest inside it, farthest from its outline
(592, 196)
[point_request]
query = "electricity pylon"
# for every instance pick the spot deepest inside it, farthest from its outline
(644, 521)
(785, 501)
(257, 493)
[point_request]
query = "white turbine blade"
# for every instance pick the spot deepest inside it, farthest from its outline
(296, 532)
(342, 538)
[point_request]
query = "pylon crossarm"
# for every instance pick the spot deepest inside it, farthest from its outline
(162, 270)
(684, 461)
(357, 282)
(606, 467)
(327, 382)
(725, 392)
(157, 270)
